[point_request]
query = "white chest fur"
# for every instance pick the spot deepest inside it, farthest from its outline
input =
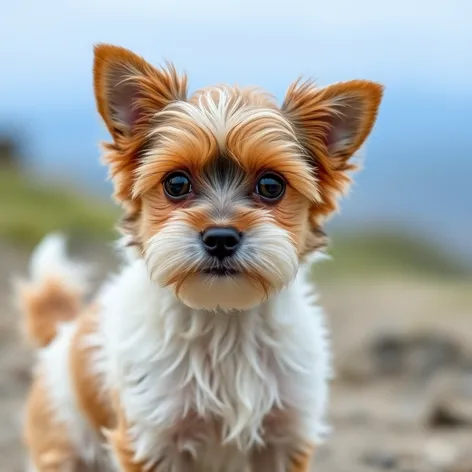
(189, 380)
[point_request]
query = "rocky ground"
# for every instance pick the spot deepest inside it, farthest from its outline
(402, 399)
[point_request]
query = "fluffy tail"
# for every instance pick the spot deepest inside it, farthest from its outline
(53, 293)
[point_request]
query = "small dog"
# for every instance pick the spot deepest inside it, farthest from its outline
(206, 352)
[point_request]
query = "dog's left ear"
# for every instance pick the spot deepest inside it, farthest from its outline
(332, 123)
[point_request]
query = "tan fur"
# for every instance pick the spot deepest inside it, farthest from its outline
(300, 461)
(92, 400)
(311, 108)
(157, 89)
(45, 306)
(47, 440)
(120, 443)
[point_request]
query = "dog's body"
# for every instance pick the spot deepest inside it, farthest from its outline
(192, 384)
(206, 352)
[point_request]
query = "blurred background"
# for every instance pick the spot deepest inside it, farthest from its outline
(398, 289)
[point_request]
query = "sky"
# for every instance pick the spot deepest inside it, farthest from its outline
(420, 44)
(418, 158)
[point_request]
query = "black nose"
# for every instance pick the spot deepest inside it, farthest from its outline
(221, 242)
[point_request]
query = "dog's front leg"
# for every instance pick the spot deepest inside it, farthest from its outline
(122, 449)
(300, 459)
(280, 458)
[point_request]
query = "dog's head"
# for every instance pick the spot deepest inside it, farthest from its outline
(224, 191)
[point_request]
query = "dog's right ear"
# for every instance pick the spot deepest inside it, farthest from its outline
(129, 91)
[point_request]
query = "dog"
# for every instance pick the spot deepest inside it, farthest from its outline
(207, 351)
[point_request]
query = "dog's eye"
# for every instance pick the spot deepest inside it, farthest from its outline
(177, 185)
(270, 187)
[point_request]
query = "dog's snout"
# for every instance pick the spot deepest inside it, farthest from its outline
(221, 242)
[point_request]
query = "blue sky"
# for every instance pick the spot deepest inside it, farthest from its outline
(418, 158)
(415, 44)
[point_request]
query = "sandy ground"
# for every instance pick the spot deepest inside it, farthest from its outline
(402, 399)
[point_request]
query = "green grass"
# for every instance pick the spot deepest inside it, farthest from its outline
(30, 209)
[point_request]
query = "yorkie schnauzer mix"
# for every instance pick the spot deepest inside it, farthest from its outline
(206, 353)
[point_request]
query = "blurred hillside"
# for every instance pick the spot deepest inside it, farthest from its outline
(31, 207)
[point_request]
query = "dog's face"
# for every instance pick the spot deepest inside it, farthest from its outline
(224, 192)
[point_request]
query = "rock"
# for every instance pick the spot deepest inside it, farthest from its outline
(417, 355)
(452, 412)
(440, 455)
(382, 460)
(420, 354)
(464, 464)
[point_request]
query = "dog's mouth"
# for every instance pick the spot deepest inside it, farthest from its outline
(221, 272)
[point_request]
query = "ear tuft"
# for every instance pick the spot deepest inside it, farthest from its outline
(332, 123)
(338, 117)
(354, 106)
(129, 91)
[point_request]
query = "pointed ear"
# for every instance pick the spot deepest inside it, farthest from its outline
(332, 123)
(129, 91)
(334, 120)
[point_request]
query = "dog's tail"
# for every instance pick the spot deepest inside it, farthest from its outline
(53, 293)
